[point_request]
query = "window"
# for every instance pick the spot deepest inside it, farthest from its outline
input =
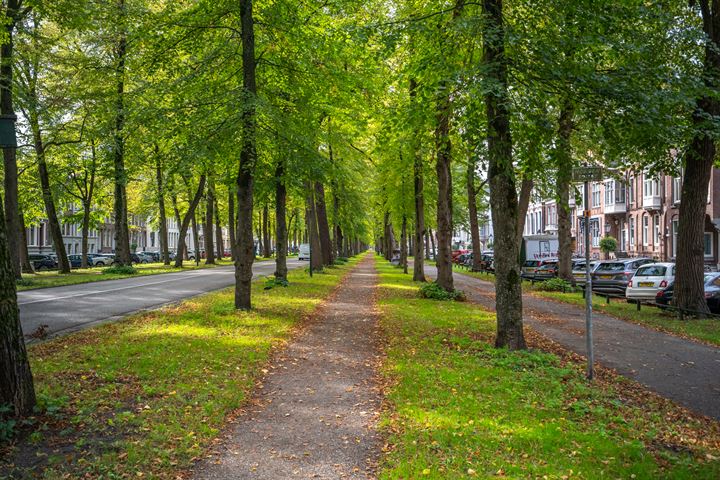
(708, 244)
(645, 225)
(631, 190)
(596, 198)
(656, 229)
(623, 236)
(632, 231)
(674, 237)
(595, 231)
(610, 192)
(676, 189)
(650, 187)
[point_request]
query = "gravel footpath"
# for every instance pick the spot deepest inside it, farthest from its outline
(682, 370)
(316, 412)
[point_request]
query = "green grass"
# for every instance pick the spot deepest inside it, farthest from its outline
(150, 393)
(459, 408)
(95, 274)
(707, 330)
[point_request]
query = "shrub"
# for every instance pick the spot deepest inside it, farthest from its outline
(273, 282)
(341, 260)
(121, 269)
(555, 285)
(24, 282)
(608, 244)
(7, 423)
(436, 292)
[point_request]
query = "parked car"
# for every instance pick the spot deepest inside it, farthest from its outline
(579, 271)
(95, 260)
(464, 258)
(486, 262)
(455, 254)
(546, 272)
(530, 267)
(75, 260)
(191, 254)
(648, 280)
(712, 292)
(145, 257)
(304, 253)
(43, 262)
(612, 277)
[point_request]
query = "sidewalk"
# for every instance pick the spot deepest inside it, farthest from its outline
(316, 411)
(681, 370)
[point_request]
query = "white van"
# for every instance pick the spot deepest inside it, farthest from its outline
(304, 252)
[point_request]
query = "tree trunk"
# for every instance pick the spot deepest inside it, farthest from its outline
(432, 243)
(27, 266)
(219, 246)
(323, 224)
(85, 234)
(181, 246)
(196, 238)
(281, 232)
(122, 233)
(387, 240)
(161, 209)
(232, 222)
(16, 382)
(427, 244)
(265, 232)
(189, 215)
(208, 226)
(316, 261)
(10, 173)
(419, 200)
(248, 155)
(443, 258)
(526, 188)
(404, 246)
(564, 165)
(473, 214)
(501, 175)
(337, 231)
(53, 222)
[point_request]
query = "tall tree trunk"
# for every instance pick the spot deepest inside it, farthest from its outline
(388, 242)
(419, 199)
(164, 249)
(472, 212)
(323, 225)
(316, 261)
(564, 165)
(219, 246)
(189, 216)
(208, 226)
(248, 155)
(526, 188)
(50, 211)
(196, 238)
(337, 231)
(443, 258)
(432, 243)
(122, 232)
(404, 245)
(16, 382)
(266, 232)
(85, 234)
(181, 245)
(501, 175)
(10, 173)
(427, 244)
(281, 227)
(27, 266)
(232, 222)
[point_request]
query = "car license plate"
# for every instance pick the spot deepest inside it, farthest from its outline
(606, 277)
(646, 284)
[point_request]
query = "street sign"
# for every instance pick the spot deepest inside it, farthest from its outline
(588, 174)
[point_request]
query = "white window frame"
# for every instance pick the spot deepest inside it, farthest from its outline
(712, 247)
(645, 230)
(656, 230)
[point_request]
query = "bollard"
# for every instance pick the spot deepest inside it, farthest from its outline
(607, 299)
(638, 305)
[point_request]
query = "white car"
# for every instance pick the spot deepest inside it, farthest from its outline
(648, 280)
(304, 252)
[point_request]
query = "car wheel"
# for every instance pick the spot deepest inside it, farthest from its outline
(42, 268)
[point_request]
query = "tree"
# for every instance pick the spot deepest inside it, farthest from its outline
(501, 177)
(189, 216)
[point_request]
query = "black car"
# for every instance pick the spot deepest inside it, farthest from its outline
(75, 261)
(546, 272)
(43, 262)
(712, 293)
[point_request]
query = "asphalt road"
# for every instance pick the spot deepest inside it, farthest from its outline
(685, 371)
(74, 307)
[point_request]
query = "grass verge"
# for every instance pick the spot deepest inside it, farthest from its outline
(459, 408)
(706, 330)
(146, 396)
(54, 279)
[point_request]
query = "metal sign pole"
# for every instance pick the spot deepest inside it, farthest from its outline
(588, 286)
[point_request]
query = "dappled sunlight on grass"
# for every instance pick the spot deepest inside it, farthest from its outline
(161, 384)
(461, 408)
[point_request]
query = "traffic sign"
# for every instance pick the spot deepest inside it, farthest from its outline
(588, 174)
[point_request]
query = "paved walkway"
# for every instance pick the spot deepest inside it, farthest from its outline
(682, 370)
(316, 411)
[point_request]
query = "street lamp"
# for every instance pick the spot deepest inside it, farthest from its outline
(7, 131)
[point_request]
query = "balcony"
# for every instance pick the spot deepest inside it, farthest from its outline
(615, 208)
(653, 202)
